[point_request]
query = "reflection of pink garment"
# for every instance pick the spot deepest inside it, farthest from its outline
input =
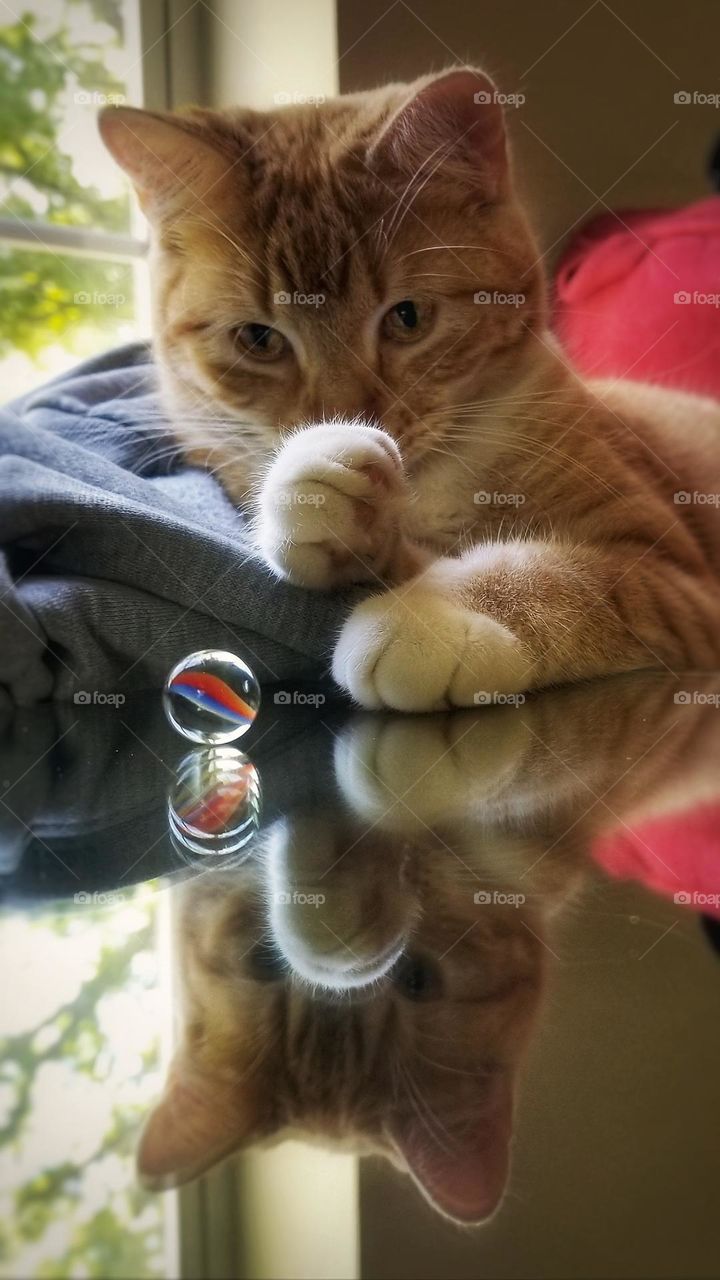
(615, 308)
(686, 843)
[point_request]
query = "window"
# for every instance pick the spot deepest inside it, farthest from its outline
(89, 1037)
(72, 270)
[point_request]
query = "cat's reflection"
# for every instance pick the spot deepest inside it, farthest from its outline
(371, 975)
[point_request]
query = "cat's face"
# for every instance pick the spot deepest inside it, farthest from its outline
(418, 1064)
(320, 261)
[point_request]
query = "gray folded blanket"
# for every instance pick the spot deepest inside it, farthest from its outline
(117, 559)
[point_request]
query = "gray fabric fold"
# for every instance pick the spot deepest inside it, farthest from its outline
(117, 559)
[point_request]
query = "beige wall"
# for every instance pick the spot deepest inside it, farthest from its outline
(258, 49)
(598, 95)
(617, 1158)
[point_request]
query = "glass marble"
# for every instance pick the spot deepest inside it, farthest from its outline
(211, 697)
(214, 805)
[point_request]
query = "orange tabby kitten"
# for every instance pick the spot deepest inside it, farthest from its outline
(356, 980)
(352, 331)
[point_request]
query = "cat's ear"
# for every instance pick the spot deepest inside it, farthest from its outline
(451, 125)
(463, 1174)
(163, 156)
(192, 1128)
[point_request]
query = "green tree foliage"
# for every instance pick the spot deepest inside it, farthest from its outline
(47, 297)
(50, 296)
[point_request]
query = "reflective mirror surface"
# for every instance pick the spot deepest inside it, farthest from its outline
(403, 972)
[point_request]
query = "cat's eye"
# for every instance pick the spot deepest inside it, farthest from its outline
(416, 978)
(407, 320)
(260, 341)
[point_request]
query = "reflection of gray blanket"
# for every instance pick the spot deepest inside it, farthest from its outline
(84, 790)
(116, 559)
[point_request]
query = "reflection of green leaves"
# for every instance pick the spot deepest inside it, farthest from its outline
(102, 1247)
(79, 1037)
(109, 11)
(122, 1238)
(37, 1203)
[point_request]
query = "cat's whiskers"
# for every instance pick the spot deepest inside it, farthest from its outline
(444, 148)
(426, 1116)
(534, 450)
(440, 275)
(539, 449)
(433, 248)
(243, 253)
(527, 398)
(481, 1072)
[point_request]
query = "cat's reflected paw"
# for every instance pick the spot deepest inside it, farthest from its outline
(416, 650)
(331, 505)
(406, 774)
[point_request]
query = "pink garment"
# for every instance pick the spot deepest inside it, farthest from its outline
(640, 297)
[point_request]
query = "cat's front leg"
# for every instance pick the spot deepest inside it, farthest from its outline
(331, 506)
(505, 618)
(419, 649)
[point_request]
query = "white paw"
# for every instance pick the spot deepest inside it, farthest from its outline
(416, 650)
(330, 505)
(406, 776)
